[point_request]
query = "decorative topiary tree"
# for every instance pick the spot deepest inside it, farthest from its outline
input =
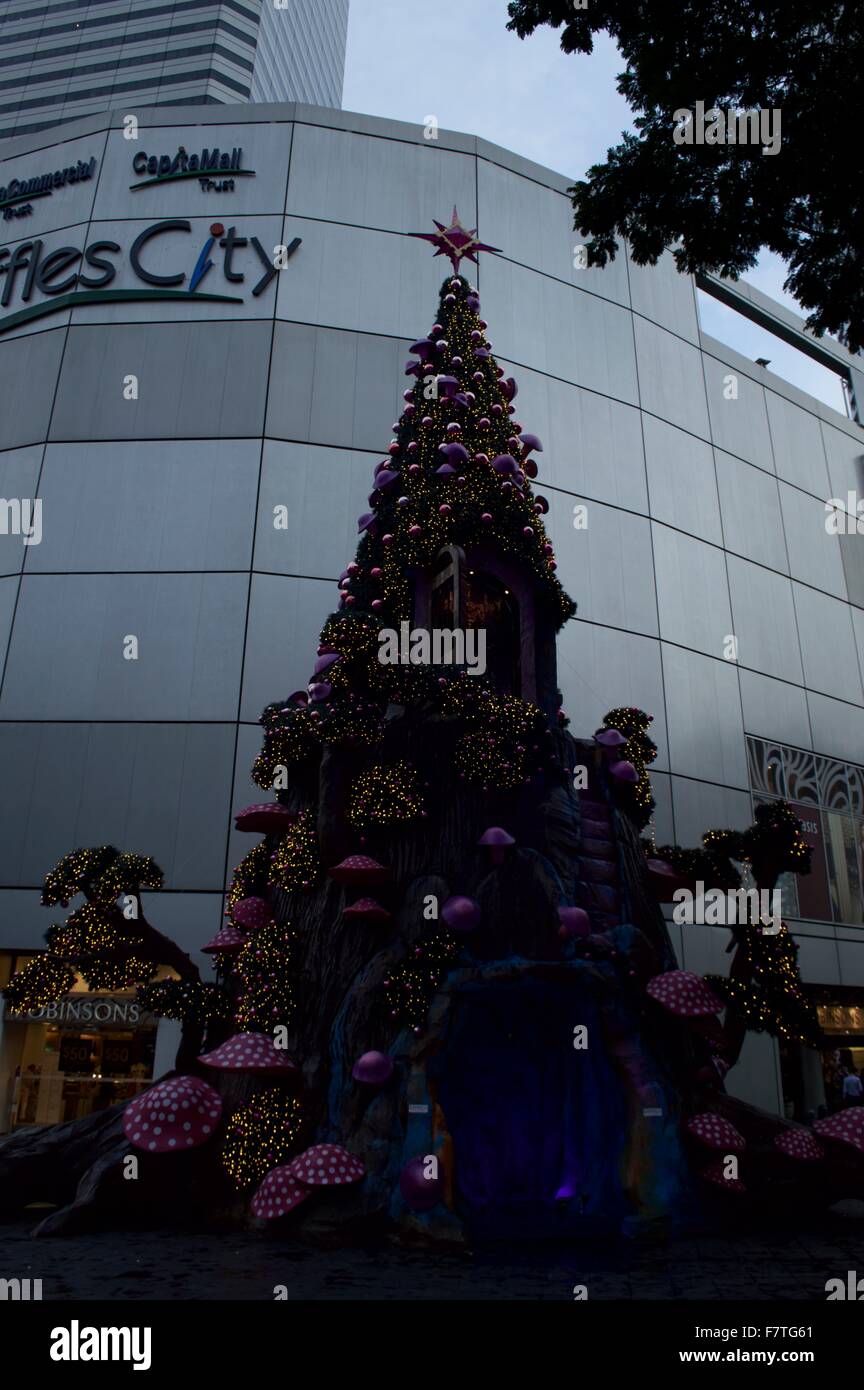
(443, 959)
(111, 945)
(764, 991)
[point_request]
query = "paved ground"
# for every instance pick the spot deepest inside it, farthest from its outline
(171, 1265)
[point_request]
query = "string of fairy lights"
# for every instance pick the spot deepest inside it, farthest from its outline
(264, 969)
(641, 751)
(97, 941)
(386, 795)
(260, 1136)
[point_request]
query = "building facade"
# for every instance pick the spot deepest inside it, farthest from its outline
(199, 461)
(63, 60)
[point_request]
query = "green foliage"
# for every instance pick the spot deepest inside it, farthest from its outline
(718, 204)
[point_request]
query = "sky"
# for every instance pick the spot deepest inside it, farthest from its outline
(456, 60)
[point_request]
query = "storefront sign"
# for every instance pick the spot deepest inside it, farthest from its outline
(214, 169)
(82, 1008)
(16, 199)
(71, 275)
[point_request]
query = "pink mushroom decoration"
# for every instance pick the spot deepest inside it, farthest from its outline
(684, 994)
(180, 1113)
(664, 879)
(497, 841)
(575, 922)
(250, 1052)
(610, 738)
(373, 1068)
(327, 1165)
(250, 913)
(716, 1133)
(328, 659)
(846, 1127)
(279, 1193)
(715, 1174)
(359, 871)
(798, 1144)
(461, 914)
(227, 941)
(367, 910)
(266, 818)
(420, 1193)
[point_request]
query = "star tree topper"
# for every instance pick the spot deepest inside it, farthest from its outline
(455, 241)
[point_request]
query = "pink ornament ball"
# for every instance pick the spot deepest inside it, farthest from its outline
(419, 1192)
(486, 518)
(444, 509)
(394, 448)
(427, 421)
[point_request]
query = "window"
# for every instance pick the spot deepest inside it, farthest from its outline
(828, 798)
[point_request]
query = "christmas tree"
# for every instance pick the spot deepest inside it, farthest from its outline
(447, 1002)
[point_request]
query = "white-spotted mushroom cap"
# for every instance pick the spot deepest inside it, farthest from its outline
(715, 1132)
(228, 940)
(847, 1127)
(279, 1193)
(800, 1144)
(368, 910)
(252, 1052)
(683, 993)
(359, 871)
(328, 1165)
(716, 1173)
(252, 912)
(265, 818)
(176, 1114)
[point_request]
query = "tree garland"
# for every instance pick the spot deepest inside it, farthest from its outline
(260, 1136)
(295, 862)
(772, 999)
(264, 969)
(103, 874)
(641, 751)
(41, 980)
(386, 796)
(186, 1001)
(410, 988)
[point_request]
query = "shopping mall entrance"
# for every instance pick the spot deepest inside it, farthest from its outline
(83, 1053)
